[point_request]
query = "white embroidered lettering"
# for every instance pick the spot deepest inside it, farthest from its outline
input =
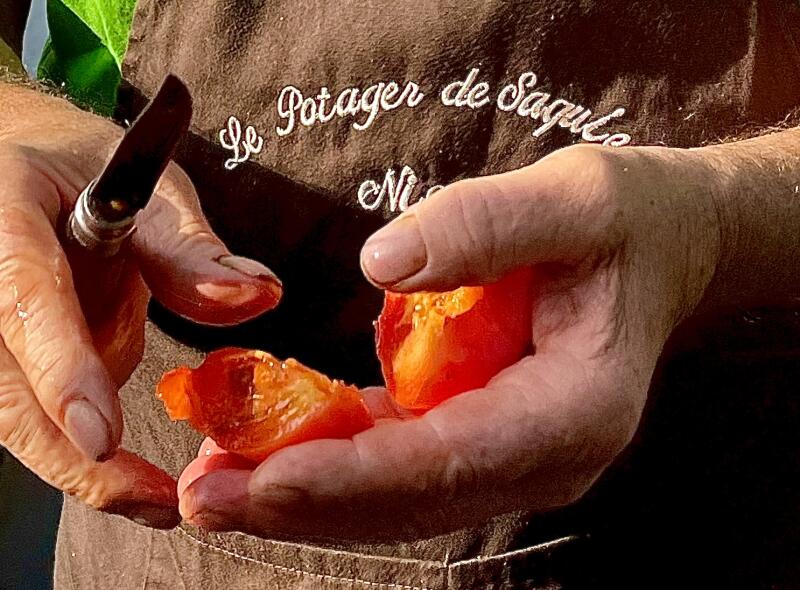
(586, 133)
(477, 97)
(289, 101)
(389, 92)
(465, 94)
(347, 103)
(231, 138)
(533, 104)
(308, 112)
(517, 92)
(550, 118)
(415, 95)
(369, 187)
(323, 97)
(395, 192)
(575, 124)
(408, 180)
(618, 140)
(350, 102)
(371, 104)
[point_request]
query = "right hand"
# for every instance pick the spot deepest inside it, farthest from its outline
(59, 371)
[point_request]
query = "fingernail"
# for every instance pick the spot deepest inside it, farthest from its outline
(248, 266)
(88, 429)
(395, 252)
(155, 516)
(252, 268)
(232, 294)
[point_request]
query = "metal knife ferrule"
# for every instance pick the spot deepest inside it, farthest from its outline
(100, 236)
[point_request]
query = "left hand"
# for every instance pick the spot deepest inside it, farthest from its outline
(624, 243)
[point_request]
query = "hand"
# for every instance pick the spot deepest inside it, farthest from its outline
(624, 243)
(62, 357)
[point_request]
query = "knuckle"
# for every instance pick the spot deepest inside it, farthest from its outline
(593, 169)
(589, 183)
(474, 232)
(597, 171)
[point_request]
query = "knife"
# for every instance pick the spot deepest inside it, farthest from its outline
(104, 215)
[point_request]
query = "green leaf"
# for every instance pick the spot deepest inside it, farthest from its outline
(109, 20)
(78, 61)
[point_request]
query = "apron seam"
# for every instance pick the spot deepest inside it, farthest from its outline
(541, 547)
(351, 554)
(149, 553)
(294, 570)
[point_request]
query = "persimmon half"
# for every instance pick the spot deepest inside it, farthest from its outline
(252, 404)
(433, 346)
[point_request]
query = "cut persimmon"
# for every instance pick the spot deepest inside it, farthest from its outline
(252, 404)
(433, 346)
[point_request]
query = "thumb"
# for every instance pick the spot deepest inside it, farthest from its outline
(189, 269)
(477, 230)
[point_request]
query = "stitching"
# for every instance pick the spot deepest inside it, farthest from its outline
(170, 543)
(351, 554)
(149, 554)
(294, 570)
(540, 548)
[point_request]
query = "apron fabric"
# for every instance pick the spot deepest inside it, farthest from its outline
(703, 496)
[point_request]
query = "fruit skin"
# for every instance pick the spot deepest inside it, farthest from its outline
(454, 341)
(252, 404)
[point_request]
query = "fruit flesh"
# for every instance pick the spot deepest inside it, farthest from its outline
(433, 346)
(253, 404)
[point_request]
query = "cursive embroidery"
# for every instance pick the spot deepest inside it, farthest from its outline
(361, 106)
(537, 105)
(350, 102)
(397, 191)
(231, 138)
(468, 95)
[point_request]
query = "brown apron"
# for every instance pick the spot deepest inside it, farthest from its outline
(360, 108)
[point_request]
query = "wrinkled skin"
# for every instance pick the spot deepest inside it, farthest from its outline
(623, 247)
(72, 325)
